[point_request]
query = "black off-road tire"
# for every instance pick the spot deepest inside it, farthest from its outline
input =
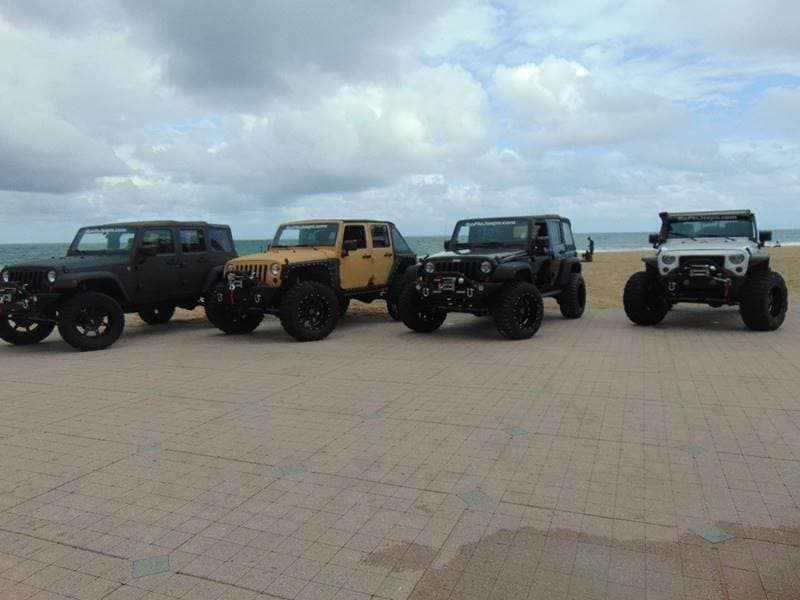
(572, 300)
(309, 311)
(157, 315)
(228, 321)
(24, 332)
(413, 312)
(764, 301)
(393, 295)
(344, 304)
(518, 310)
(91, 321)
(644, 301)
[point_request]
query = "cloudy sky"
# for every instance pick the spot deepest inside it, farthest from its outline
(254, 112)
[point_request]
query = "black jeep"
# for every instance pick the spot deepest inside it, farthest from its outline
(109, 270)
(501, 267)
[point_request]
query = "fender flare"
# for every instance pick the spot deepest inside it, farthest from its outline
(79, 280)
(568, 267)
(213, 278)
(513, 271)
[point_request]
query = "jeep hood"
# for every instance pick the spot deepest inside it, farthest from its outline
(708, 246)
(477, 253)
(75, 264)
(281, 255)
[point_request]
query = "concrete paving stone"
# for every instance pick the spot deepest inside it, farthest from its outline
(264, 468)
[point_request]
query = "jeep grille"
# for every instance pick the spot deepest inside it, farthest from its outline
(260, 271)
(699, 261)
(35, 280)
(470, 269)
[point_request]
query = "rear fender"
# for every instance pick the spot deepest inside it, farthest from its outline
(568, 267)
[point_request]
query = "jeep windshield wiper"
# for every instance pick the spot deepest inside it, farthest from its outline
(727, 237)
(681, 235)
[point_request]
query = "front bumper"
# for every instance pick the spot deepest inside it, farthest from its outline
(455, 292)
(19, 301)
(702, 285)
(247, 295)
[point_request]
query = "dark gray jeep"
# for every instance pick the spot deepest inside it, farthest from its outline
(109, 270)
(501, 267)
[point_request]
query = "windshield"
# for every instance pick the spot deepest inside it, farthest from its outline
(713, 226)
(104, 240)
(490, 232)
(306, 234)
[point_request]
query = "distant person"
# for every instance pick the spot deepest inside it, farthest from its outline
(588, 256)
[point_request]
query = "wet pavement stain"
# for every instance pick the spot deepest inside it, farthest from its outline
(403, 557)
(561, 563)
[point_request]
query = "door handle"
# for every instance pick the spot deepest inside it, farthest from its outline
(388, 255)
(366, 256)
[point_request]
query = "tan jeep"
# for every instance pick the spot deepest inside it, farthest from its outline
(309, 274)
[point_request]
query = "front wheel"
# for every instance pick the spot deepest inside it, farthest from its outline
(91, 321)
(572, 300)
(230, 321)
(764, 301)
(24, 332)
(644, 301)
(310, 311)
(414, 314)
(518, 311)
(157, 315)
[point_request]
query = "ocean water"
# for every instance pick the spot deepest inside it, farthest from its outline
(604, 242)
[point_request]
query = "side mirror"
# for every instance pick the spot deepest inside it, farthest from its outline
(764, 236)
(654, 238)
(447, 245)
(349, 246)
(148, 251)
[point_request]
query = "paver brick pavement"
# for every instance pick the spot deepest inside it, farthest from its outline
(384, 464)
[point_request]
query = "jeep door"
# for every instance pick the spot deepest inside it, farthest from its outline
(382, 253)
(556, 239)
(194, 260)
(157, 267)
(356, 265)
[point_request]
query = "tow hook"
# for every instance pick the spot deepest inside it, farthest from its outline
(425, 292)
(727, 284)
(470, 292)
(26, 304)
(672, 286)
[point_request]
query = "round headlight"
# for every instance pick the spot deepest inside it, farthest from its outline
(6, 276)
(429, 268)
(275, 269)
(736, 259)
(51, 276)
(486, 267)
(668, 259)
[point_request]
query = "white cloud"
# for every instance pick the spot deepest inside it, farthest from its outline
(565, 105)
(778, 108)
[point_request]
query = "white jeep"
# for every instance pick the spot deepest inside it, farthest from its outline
(715, 258)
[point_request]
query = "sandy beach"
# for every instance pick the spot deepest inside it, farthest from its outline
(605, 280)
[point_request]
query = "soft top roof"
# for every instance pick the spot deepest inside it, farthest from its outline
(157, 224)
(531, 217)
(666, 216)
(345, 221)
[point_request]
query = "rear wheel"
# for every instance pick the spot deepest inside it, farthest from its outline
(393, 295)
(414, 314)
(91, 321)
(344, 304)
(310, 311)
(230, 321)
(764, 301)
(24, 332)
(157, 315)
(644, 300)
(518, 310)
(572, 300)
